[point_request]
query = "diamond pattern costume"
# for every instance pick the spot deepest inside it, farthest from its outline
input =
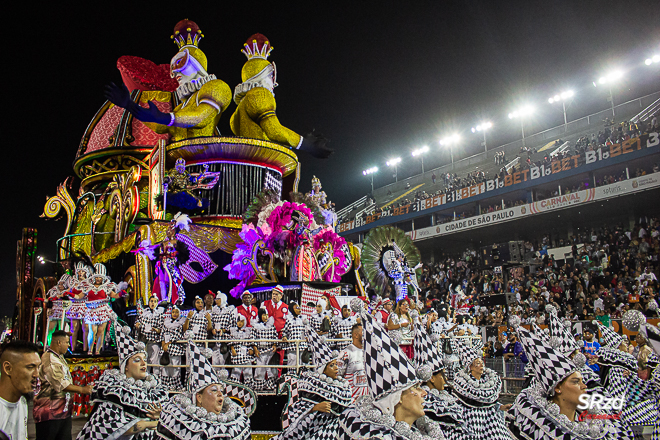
(341, 329)
(182, 419)
(479, 398)
(536, 417)
(389, 372)
(261, 330)
(173, 331)
(315, 387)
(121, 402)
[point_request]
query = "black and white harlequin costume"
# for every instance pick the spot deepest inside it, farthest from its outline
(264, 330)
(562, 339)
(618, 374)
(479, 398)
(315, 387)
(199, 326)
(646, 412)
(439, 406)
(321, 322)
(183, 419)
(535, 417)
(240, 351)
(294, 328)
(341, 329)
(121, 402)
(172, 332)
(389, 373)
(150, 327)
(223, 318)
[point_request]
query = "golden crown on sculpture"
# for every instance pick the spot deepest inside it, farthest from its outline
(257, 46)
(187, 33)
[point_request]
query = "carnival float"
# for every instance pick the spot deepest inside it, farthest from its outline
(163, 204)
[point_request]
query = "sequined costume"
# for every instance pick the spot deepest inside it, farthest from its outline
(168, 282)
(265, 330)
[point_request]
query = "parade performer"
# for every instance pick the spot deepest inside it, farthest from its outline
(242, 353)
(341, 327)
(203, 97)
(247, 310)
(323, 396)
(255, 115)
(199, 322)
(635, 321)
(55, 296)
(304, 265)
(276, 308)
(478, 390)
(293, 329)
(204, 412)
(439, 406)
(562, 339)
(351, 364)
(172, 350)
(150, 325)
(549, 409)
(321, 319)
(618, 374)
(172, 253)
(402, 276)
(80, 285)
(264, 328)
(127, 402)
(98, 307)
(400, 326)
(394, 410)
(223, 317)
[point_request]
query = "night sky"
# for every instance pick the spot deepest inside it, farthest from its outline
(377, 78)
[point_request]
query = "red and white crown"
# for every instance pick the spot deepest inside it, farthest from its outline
(187, 33)
(257, 46)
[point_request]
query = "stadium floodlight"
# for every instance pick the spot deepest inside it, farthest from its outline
(563, 97)
(420, 152)
(370, 172)
(395, 163)
(522, 113)
(449, 141)
(608, 80)
(653, 59)
(484, 126)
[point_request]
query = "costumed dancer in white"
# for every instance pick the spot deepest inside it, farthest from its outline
(172, 351)
(351, 364)
(478, 390)
(199, 322)
(204, 412)
(150, 324)
(127, 402)
(294, 328)
(242, 353)
(548, 410)
(264, 328)
(394, 410)
(439, 406)
(323, 396)
(400, 326)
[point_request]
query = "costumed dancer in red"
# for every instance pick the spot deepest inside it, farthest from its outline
(277, 310)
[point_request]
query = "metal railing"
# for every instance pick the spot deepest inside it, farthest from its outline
(512, 372)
